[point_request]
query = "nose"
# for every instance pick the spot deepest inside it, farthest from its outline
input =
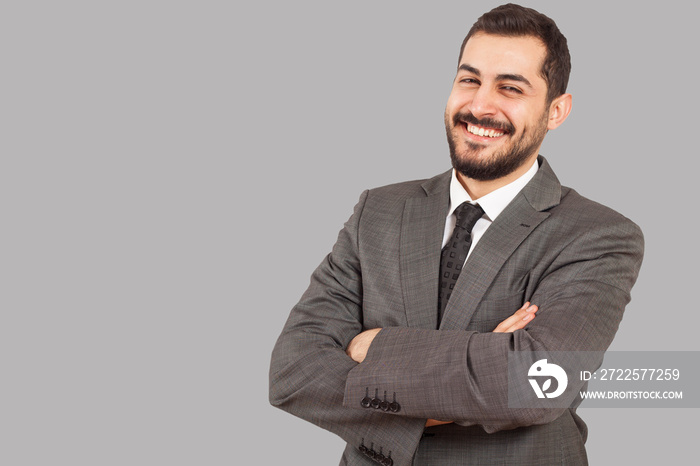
(483, 103)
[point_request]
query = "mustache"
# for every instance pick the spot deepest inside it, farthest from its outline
(461, 117)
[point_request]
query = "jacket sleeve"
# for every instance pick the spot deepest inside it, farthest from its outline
(309, 366)
(462, 376)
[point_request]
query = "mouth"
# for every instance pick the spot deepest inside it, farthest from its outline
(483, 131)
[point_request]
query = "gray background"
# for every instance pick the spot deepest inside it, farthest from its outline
(150, 149)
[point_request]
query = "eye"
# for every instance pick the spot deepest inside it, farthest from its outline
(512, 89)
(469, 81)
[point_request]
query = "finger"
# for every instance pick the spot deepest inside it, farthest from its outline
(507, 323)
(518, 320)
(434, 422)
(527, 316)
(526, 319)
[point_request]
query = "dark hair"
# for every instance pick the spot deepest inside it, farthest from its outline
(516, 21)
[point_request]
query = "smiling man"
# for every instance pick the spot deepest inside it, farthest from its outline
(400, 344)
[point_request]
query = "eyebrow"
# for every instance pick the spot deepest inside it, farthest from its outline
(501, 77)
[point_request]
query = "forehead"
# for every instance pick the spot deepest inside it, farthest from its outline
(499, 55)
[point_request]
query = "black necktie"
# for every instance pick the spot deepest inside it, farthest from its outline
(455, 251)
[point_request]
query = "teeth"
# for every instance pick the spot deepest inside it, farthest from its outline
(483, 132)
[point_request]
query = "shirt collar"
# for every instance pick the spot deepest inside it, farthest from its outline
(494, 202)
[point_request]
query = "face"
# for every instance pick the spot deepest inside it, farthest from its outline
(497, 115)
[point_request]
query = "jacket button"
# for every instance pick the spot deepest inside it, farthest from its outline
(388, 461)
(394, 407)
(363, 448)
(371, 452)
(384, 405)
(375, 401)
(365, 402)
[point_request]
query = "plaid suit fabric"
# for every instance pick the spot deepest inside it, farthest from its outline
(575, 259)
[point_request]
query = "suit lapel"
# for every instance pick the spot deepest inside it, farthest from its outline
(500, 241)
(502, 238)
(422, 228)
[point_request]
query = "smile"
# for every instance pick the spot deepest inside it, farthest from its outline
(485, 132)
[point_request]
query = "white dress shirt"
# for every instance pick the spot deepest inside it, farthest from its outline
(493, 204)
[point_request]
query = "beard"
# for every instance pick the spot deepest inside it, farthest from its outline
(500, 163)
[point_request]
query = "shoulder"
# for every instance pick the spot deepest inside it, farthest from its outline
(575, 205)
(412, 188)
(580, 216)
(571, 214)
(393, 196)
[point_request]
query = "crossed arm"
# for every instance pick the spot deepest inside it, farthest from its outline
(582, 288)
(359, 346)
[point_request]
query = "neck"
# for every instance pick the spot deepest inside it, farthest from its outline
(477, 188)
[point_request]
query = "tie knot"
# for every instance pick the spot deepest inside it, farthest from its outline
(468, 214)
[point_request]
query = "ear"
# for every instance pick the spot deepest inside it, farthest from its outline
(559, 109)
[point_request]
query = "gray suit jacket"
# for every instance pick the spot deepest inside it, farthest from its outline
(576, 259)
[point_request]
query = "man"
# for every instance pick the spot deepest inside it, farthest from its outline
(408, 365)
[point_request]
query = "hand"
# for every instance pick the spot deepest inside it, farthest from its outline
(520, 319)
(358, 347)
(434, 422)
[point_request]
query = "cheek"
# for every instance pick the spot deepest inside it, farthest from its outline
(449, 109)
(523, 116)
(517, 119)
(456, 101)
(512, 110)
(449, 113)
